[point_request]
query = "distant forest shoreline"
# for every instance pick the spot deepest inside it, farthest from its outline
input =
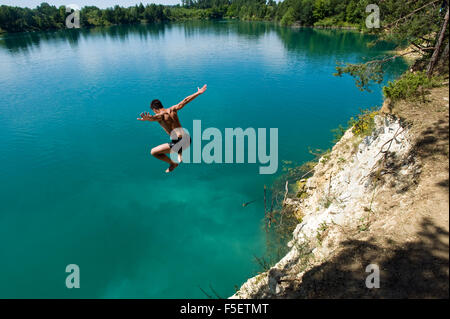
(348, 14)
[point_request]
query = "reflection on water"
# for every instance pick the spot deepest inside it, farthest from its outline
(313, 41)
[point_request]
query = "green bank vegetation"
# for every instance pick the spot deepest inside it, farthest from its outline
(420, 27)
(361, 124)
(411, 85)
(319, 13)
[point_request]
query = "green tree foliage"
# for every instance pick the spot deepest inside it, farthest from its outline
(288, 12)
(43, 17)
(365, 74)
(410, 85)
(47, 17)
(420, 26)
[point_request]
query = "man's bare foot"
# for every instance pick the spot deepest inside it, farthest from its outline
(171, 167)
(180, 158)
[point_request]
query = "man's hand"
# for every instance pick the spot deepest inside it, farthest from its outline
(145, 116)
(202, 90)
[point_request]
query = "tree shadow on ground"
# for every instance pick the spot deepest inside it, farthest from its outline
(431, 143)
(433, 140)
(444, 183)
(417, 269)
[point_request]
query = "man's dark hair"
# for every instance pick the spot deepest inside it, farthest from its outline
(156, 104)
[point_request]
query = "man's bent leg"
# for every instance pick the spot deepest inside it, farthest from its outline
(186, 145)
(160, 153)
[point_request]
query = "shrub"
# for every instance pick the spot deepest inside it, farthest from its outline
(410, 85)
(364, 123)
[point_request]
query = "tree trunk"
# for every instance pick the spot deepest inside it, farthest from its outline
(442, 63)
(445, 52)
(435, 55)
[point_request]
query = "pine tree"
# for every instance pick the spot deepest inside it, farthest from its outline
(421, 24)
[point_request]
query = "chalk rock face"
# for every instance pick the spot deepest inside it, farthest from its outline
(274, 277)
(339, 193)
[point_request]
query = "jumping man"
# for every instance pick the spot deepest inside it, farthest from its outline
(168, 119)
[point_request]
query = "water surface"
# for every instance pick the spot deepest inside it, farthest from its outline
(78, 183)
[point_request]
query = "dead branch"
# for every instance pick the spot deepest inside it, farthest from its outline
(209, 296)
(310, 171)
(286, 191)
(410, 14)
(265, 206)
(381, 61)
(386, 152)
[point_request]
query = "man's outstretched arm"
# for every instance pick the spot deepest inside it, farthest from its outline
(145, 116)
(188, 99)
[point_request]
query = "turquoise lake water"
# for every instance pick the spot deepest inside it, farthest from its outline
(78, 185)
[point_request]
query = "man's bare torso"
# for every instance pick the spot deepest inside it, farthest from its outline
(170, 122)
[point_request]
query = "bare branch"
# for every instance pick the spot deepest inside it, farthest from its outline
(410, 14)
